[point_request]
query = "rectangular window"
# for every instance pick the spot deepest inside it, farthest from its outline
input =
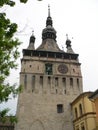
(56, 81)
(33, 82)
(64, 91)
(71, 81)
(64, 84)
(41, 80)
(25, 81)
(64, 81)
(78, 83)
(49, 80)
(60, 108)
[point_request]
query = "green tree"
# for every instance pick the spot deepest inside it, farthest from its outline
(11, 3)
(8, 56)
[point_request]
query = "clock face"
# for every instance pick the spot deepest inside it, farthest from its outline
(62, 68)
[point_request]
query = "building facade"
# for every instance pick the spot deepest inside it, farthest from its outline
(84, 113)
(51, 80)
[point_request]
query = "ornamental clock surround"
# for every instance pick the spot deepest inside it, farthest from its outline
(62, 68)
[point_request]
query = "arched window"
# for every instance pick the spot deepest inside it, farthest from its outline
(80, 109)
(82, 126)
(76, 113)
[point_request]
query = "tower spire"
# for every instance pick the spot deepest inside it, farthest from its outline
(49, 19)
(48, 10)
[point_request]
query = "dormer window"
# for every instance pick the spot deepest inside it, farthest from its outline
(48, 69)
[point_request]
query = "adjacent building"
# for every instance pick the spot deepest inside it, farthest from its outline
(94, 98)
(7, 122)
(83, 112)
(51, 80)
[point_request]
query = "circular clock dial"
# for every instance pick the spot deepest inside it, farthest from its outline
(62, 68)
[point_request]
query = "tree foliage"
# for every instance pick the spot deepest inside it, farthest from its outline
(12, 3)
(9, 119)
(8, 56)
(7, 2)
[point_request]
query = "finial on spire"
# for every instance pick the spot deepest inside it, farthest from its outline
(67, 36)
(31, 42)
(32, 32)
(48, 10)
(32, 38)
(68, 42)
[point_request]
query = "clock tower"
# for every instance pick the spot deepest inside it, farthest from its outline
(51, 79)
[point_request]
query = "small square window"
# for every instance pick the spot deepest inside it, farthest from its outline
(60, 108)
(30, 66)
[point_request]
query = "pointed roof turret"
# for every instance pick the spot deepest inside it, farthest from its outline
(68, 45)
(31, 42)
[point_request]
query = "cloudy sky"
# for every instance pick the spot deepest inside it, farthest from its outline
(77, 18)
